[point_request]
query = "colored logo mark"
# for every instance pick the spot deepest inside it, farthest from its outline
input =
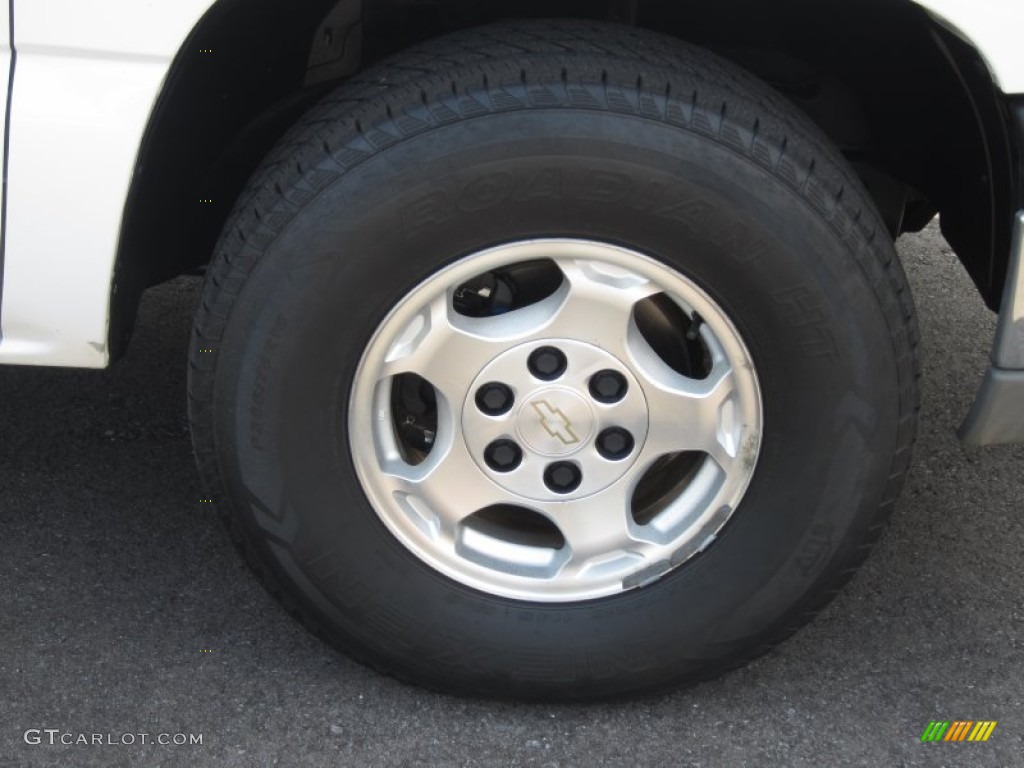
(958, 730)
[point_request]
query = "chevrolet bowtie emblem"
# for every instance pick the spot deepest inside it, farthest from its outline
(555, 422)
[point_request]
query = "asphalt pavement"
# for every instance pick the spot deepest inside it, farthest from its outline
(124, 611)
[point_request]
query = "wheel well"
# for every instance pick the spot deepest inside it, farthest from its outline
(910, 105)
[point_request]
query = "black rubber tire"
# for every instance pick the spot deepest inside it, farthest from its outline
(648, 143)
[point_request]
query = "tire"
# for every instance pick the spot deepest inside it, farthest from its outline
(453, 282)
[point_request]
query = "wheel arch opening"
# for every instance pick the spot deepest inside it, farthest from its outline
(911, 105)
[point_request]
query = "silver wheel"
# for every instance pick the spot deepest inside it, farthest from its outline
(560, 451)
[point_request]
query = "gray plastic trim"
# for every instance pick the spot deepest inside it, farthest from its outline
(997, 415)
(1008, 351)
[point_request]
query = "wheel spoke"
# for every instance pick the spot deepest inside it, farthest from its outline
(444, 348)
(444, 490)
(595, 304)
(694, 414)
(595, 529)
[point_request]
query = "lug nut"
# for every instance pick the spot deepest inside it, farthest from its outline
(562, 477)
(503, 455)
(608, 386)
(494, 399)
(547, 363)
(615, 443)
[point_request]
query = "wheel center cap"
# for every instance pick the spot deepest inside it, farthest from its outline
(555, 421)
(541, 439)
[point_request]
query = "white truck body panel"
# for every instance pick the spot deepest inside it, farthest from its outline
(993, 27)
(89, 73)
(5, 70)
(88, 76)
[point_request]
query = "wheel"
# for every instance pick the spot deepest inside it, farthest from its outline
(554, 360)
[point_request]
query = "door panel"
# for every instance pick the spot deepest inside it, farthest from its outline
(6, 75)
